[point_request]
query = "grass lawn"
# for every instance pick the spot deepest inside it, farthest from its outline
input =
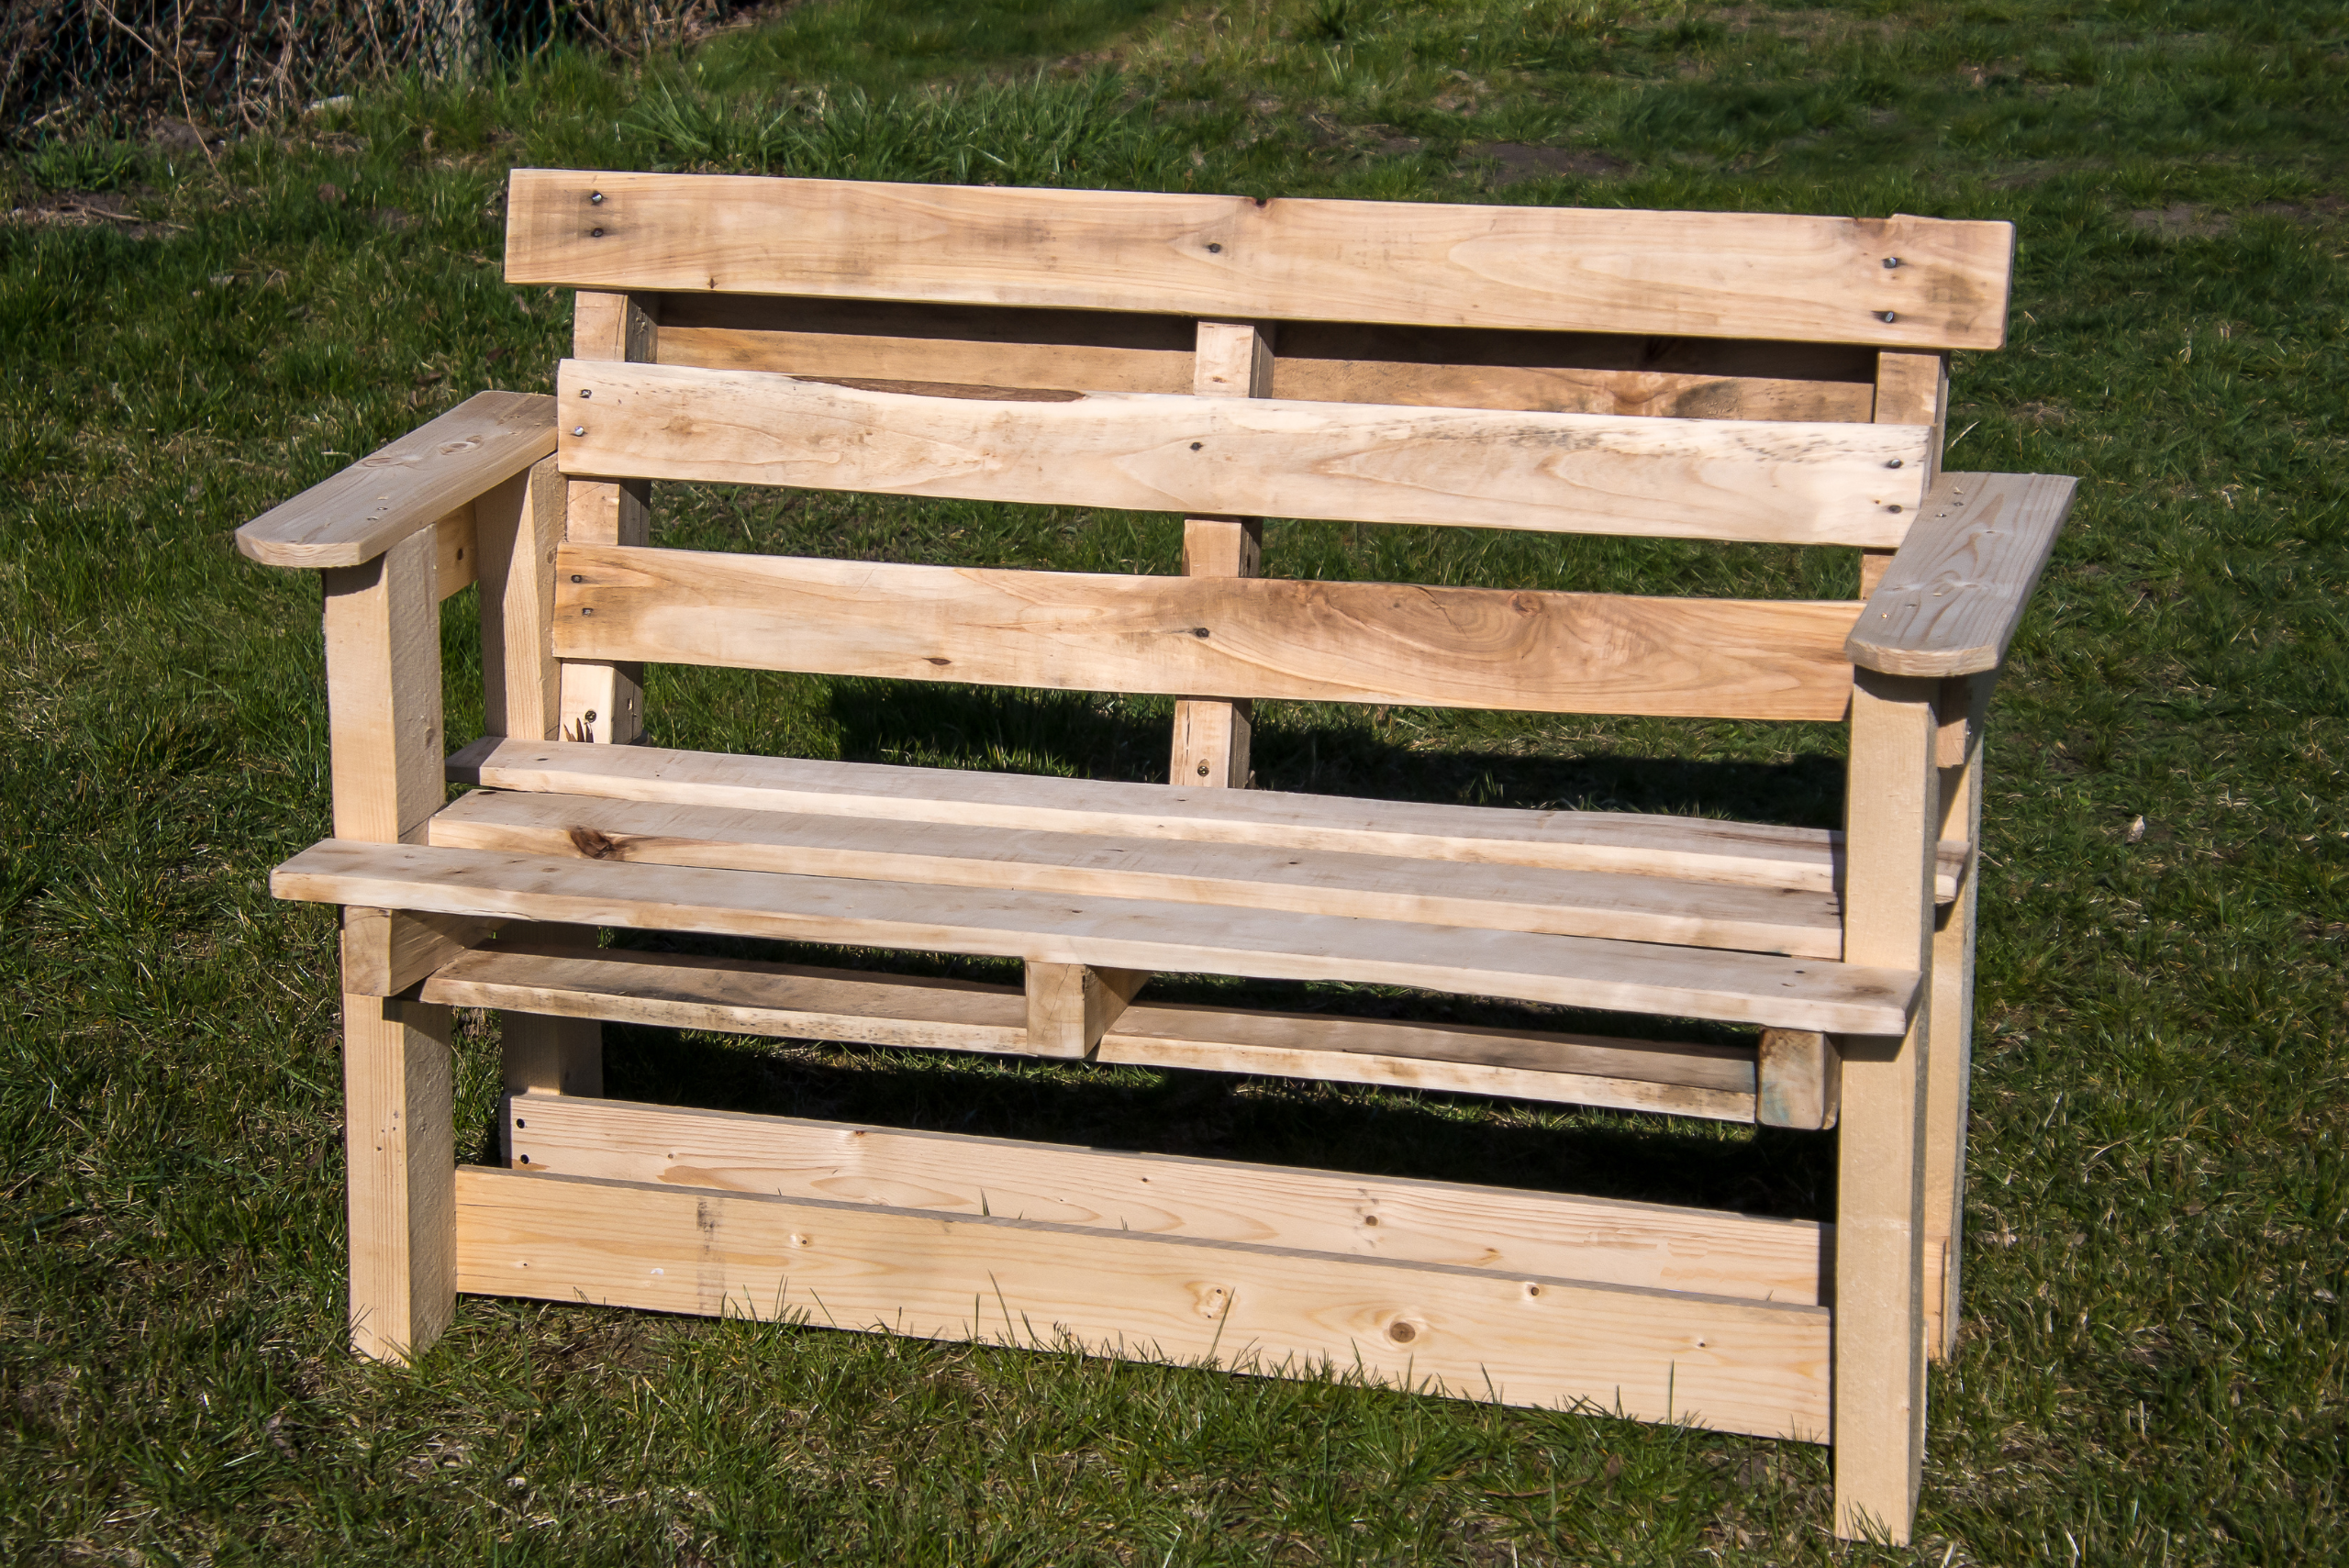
(2153, 1367)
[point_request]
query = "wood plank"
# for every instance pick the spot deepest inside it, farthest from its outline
(1069, 1006)
(1562, 373)
(1694, 849)
(384, 952)
(407, 486)
(1232, 258)
(1913, 389)
(384, 725)
(1667, 1077)
(1754, 480)
(1949, 1071)
(792, 1001)
(1650, 1246)
(1737, 987)
(519, 528)
(1311, 882)
(1798, 1080)
(455, 560)
(1956, 593)
(1891, 817)
(1659, 1355)
(1356, 642)
(602, 701)
(1234, 359)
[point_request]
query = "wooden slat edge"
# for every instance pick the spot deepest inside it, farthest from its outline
(356, 515)
(1718, 1363)
(1649, 1246)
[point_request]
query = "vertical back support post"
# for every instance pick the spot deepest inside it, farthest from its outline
(1964, 705)
(383, 646)
(1231, 360)
(1891, 822)
(518, 526)
(1910, 389)
(603, 701)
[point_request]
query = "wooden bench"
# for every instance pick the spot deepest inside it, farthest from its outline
(1729, 377)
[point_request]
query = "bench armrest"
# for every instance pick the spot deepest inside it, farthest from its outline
(1955, 593)
(411, 484)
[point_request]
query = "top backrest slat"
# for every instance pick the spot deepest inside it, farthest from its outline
(1900, 282)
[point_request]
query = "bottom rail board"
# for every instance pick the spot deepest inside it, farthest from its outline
(1654, 1246)
(745, 997)
(1738, 1366)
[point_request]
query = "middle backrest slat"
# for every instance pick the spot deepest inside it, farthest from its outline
(1359, 643)
(1760, 481)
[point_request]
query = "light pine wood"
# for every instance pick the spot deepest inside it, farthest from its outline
(383, 650)
(1913, 389)
(1799, 1079)
(1761, 480)
(1232, 258)
(1478, 1334)
(791, 1001)
(1312, 882)
(1649, 1246)
(519, 529)
(1954, 594)
(1892, 814)
(602, 701)
(1963, 705)
(455, 560)
(1735, 987)
(1694, 849)
(1232, 358)
(384, 952)
(406, 487)
(1069, 1006)
(1009, 349)
(400, 1161)
(1360, 642)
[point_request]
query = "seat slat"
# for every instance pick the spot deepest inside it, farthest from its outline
(1116, 933)
(1232, 259)
(1649, 1246)
(1752, 480)
(1691, 849)
(1226, 637)
(1313, 882)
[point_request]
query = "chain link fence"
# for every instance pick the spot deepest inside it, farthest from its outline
(69, 64)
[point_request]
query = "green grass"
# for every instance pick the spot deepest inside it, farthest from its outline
(2153, 1367)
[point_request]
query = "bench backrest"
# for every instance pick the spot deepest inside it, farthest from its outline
(1720, 376)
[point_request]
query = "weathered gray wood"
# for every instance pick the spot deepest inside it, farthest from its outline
(1955, 594)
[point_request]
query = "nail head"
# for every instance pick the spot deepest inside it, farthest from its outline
(1894, 463)
(1890, 262)
(596, 198)
(1887, 315)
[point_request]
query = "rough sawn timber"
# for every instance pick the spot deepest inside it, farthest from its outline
(1235, 259)
(1715, 1362)
(1755, 480)
(1954, 596)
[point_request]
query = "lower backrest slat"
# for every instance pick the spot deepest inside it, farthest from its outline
(1364, 642)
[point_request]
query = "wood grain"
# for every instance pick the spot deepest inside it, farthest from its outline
(1359, 643)
(1798, 1080)
(519, 528)
(1310, 882)
(1660, 1356)
(1954, 594)
(385, 952)
(1737, 987)
(1695, 848)
(1231, 359)
(1761, 480)
(1231, 258)
(793, 1001)
(1069, 1006)
(1649, 1246)
(407, 486)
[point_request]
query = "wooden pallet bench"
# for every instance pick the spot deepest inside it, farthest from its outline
(1730, 377)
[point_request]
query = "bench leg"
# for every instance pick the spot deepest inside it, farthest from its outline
(1964, 705)
(401, 1153)
(1879, 1375)
(1072, 1005)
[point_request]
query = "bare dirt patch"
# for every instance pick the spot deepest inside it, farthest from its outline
(1522, 161)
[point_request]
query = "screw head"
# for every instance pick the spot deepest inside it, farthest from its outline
(578, 429)
(1203, 769)
(587, 392)
(577, 578)
(591, 716)
(595, 198)
(1892, 509)
(1894, 463)
(595, 234)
